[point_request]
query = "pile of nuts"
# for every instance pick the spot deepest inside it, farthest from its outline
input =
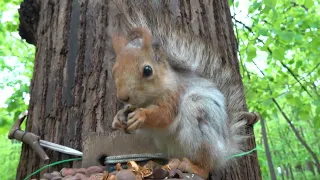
(150, 170)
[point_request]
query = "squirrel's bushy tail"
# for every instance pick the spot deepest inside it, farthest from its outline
(238, 133)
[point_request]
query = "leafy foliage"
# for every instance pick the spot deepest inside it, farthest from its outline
(279, 49)
(16, 65)
(10, 156)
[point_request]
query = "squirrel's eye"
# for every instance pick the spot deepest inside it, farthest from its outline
(147, 71)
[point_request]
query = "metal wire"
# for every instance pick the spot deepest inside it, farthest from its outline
(133, 157)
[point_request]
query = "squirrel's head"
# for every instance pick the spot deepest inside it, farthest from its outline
(141, 71)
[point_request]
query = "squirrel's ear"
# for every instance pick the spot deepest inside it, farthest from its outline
(145, 34)
(118, 42)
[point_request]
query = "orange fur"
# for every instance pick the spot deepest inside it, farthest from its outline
(163, 114)
(196, 169)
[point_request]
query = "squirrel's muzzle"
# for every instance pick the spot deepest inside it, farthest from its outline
(123, 98)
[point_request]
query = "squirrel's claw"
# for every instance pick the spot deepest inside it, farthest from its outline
(120, 120)
(117, 124)
(135, 119)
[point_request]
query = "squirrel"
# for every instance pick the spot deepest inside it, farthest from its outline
(184, 113)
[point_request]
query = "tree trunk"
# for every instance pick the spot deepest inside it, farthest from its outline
(282, 174)
(72, 91)
(268, 153)
(291, 173)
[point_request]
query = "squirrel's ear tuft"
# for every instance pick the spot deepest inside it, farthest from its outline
(118, 42)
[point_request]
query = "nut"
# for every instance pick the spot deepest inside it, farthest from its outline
(67, 172)
(133, 165)
(145, 172)
(81, 170)
(48, 176)
(159, 173)
(94, 170)
(118, 167)
(125, 175)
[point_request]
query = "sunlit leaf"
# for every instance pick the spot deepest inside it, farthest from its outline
(309, 3)
(278, 53)
(270, 3)
(252, 53)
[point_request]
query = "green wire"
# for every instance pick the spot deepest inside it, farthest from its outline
(52, 164)
(242, 154)
(75, 159)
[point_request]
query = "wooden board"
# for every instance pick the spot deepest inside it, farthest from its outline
(117, 143)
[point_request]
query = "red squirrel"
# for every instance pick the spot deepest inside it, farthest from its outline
(184, 113)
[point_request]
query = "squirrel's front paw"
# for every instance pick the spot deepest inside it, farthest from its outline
(117, 124)
(120, 120)
(136, 119)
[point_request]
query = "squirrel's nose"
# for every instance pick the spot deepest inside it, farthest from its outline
(123, 98)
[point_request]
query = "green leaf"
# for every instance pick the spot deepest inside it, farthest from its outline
(263, 32)
(299, 64)
(256, 5)
(288, 36)
(251, 52)
(316, 103)
(270, 3)
(304, 115)
(266, 10)
(316, 121)
(300, 1)
(267, 102)
(298, 37)
(291, 61)
(268, 41)
(237, 4)
(278, 53)
(309, 3)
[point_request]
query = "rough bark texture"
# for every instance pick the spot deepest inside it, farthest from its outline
(72, 92)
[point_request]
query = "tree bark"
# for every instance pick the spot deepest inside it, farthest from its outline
(72, 92)
(268, 153)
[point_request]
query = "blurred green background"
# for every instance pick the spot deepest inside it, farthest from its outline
(279, 52)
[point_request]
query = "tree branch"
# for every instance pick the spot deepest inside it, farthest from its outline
(313, 69)
(270, 52)
(296, 132)
(301, 140)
